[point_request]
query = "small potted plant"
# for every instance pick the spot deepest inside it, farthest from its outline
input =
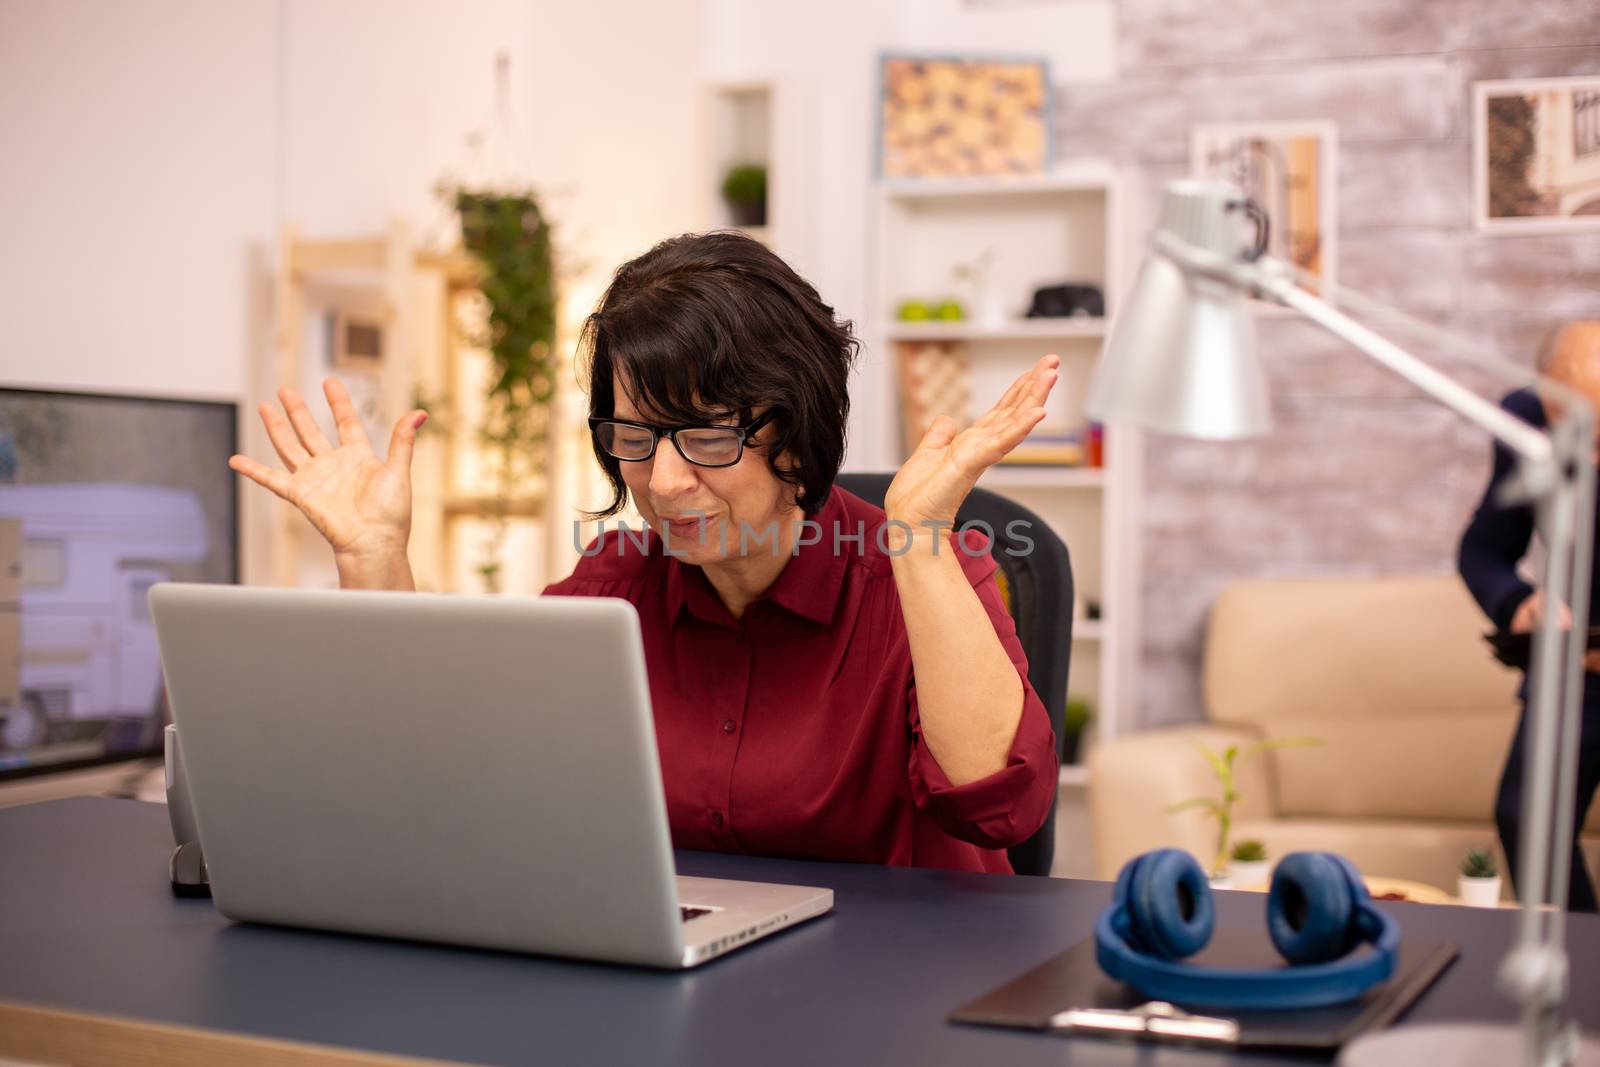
(1479, 883)
(988, 299)
(1220, 808)
(745, 190)
(1248, 865)
(1075, 722)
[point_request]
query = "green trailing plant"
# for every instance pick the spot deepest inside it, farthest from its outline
(1221, 807)
(441, 411)
(1479, 863)
(745, 183)
(510, 238)
(976, 272)
(1250, 850)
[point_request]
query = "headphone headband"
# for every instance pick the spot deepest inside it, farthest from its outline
(1124, 935)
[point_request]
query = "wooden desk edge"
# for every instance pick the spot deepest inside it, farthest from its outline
(36, 1035)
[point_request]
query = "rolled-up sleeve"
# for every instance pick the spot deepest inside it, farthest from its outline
(1009, 806)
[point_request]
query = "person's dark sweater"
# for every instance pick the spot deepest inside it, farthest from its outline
(1494, 542)
(1498, 537)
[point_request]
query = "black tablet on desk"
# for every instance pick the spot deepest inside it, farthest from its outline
(1516, 649)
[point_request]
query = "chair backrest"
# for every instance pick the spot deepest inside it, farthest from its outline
(1036, 583)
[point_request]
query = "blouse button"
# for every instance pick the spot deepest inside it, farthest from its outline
(728, 726)
(716, 818)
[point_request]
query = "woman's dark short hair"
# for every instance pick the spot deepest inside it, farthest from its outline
(709, 325)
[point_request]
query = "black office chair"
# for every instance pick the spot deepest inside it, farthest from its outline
(1037, 590)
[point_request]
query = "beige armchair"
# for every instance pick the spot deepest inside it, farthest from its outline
(1392, 674)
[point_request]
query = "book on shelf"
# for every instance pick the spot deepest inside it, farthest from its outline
(1049, 446)
(1044, 456)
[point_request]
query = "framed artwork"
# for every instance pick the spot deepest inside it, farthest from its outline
(1289, 168)
(356, 341)
(942, 117)
(347, 336)
(1536, 155)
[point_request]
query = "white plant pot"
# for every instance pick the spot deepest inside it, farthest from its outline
(1253, 875)
(993, 309)
(1479, 892)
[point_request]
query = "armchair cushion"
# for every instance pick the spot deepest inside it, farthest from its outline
(1374, 649)
(1392, 673)
(1410, 767)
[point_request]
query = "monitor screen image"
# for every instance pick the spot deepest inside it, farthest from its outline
(101, 497)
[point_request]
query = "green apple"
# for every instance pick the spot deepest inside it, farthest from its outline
(914, 311)
(950, 310)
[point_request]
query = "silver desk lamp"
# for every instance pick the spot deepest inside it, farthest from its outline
(1181, 360)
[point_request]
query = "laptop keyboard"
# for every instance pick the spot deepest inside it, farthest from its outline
(692, 913)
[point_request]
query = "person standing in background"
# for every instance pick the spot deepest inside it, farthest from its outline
(1493, 545)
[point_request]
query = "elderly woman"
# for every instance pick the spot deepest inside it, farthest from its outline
(829, 680)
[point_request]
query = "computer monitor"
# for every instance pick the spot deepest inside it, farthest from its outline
(100, 498)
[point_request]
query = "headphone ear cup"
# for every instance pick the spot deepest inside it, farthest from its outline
(1170, 910)
(1313, 907)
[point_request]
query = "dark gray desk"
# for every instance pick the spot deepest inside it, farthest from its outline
(87, 924)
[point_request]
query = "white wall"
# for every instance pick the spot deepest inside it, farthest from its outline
(614, 89)
(377, 99)
(137, 176)
(603, 98)
(152, 150)
(822, 58)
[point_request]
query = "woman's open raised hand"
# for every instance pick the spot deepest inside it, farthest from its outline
(937, 477)
(359, 503)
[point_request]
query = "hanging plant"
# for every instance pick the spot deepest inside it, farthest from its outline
(510, 237)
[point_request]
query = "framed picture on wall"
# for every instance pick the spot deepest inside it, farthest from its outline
(1291, 169)
(945, 116)
(1536, 155)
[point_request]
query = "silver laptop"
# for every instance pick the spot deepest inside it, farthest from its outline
(456, 769)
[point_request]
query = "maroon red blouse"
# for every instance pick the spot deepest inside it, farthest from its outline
(793, 731)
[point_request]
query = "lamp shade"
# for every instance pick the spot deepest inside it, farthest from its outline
(1182, 356)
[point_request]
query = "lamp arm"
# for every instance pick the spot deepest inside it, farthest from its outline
(1556, 470)
(1455, 345)
(1535, 971)
(1266, 276)
(1571, 712)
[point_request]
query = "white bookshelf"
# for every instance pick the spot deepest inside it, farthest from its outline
(1074, 774)
(739, 128)
(1009, 330)
(1059, 228)
(1087, 630)
(1020, 476)
(1086, 175)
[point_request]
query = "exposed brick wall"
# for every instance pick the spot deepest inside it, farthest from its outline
(1362, 475)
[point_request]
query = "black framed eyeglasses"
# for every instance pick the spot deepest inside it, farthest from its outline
(704, 446)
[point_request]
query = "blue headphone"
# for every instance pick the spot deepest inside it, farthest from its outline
(1318, 911)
